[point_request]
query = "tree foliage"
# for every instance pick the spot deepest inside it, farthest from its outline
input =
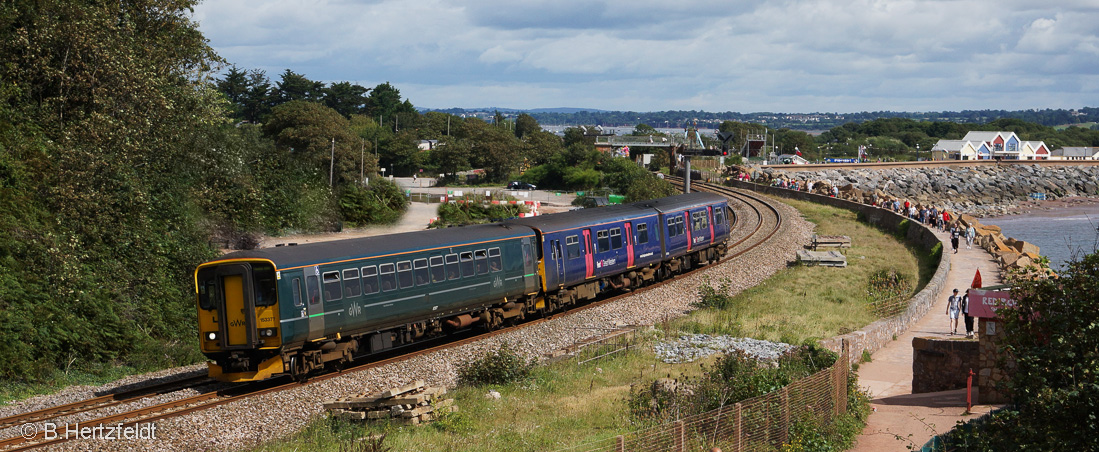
(1053, 335)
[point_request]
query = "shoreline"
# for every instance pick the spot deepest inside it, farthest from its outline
(1059, 208)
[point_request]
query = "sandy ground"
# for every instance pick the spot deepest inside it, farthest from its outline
(420, 214)
(900, 418)
(1062, 207)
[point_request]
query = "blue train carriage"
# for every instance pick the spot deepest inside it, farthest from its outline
(694, 229)
(586, 252)
(294, 309)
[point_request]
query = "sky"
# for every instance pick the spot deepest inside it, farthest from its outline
(643, 55)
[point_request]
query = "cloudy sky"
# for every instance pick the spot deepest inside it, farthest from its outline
(644, 55)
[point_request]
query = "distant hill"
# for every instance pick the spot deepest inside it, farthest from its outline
(506, 111)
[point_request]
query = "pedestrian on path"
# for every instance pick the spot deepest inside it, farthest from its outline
(953, 307)
(954, 237)
(970, 234)
(965, 311)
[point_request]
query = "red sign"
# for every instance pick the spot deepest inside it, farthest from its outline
(984, 303)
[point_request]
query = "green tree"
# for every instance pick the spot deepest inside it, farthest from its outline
(235, 88)
(526, 125)
(257, 101)
(385, 101)
(308, 130)
(1053, 334)
(345, 98)
(100, 100)
(293, 86)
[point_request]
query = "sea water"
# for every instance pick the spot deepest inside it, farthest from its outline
(1061, 234)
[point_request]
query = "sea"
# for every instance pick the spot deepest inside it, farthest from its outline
(1061, 233)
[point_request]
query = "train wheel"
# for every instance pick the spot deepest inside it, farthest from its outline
(297, 370)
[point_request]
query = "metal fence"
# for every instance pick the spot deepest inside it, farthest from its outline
(757, 424)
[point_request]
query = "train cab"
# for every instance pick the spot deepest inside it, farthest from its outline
(239, 319)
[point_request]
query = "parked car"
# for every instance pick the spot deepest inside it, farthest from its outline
(518, 185)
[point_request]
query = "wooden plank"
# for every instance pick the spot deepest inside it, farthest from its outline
(403, 389)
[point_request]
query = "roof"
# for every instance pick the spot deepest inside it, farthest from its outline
(640, 209)
(339, 250)
(1075, 151)
(950, 145)
(983, 136)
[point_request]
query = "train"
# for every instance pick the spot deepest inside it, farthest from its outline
(297, 309)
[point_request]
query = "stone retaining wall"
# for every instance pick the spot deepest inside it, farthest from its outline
(875, 335)
(942, 364)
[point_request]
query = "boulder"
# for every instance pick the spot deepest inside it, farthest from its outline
(1025, 247)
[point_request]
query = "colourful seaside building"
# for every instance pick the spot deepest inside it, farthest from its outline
(981, 145)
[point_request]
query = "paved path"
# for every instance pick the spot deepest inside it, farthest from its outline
(900, 418)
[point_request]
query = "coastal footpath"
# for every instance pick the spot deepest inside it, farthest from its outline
(981, 191)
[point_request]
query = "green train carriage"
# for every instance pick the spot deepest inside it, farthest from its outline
(294, 309)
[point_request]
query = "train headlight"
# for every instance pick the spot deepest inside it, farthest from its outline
(212, 336)
(268, 332)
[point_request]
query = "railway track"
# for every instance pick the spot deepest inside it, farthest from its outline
(755, 221)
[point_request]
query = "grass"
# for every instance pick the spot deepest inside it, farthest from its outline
(565, 404)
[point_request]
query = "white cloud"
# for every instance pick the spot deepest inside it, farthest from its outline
(795, 55)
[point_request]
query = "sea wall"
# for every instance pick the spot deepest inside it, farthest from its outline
(942, 364)
(979, 190)
(875, 335)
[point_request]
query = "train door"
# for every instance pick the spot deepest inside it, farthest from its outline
(710, 218)
(528, 265)
(629, 244)
(559, 260)
(239, 313)
(687, 221)
(314, 307)
(589, 265)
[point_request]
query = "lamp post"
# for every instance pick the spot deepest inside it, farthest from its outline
(917, 152)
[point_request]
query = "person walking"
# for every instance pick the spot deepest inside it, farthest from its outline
(970, 234)
(965, 312)
(955, 235)
(953, 307)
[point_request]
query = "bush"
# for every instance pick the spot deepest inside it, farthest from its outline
(382, 203)
(499, 366)
(718, 298)
(733, 378)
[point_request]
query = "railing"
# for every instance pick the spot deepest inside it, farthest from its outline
(759, 423)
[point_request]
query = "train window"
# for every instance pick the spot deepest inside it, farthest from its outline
(616, 238)
(312, 289)
(438, 270)
(703, 221)
(495, 262)
(351, 286)
(332, 289)
(370, 280)
(671, 227)
(719, 215)
(387, 277)
(296, 288)
(604, 243)
(527, 261)
(419, 268)
(642, 233)
(207, 289)
(467, 264)
(481, 259)
(678, 225)
(404, 274)
(452, 269)
(266, 289)
(572, 246)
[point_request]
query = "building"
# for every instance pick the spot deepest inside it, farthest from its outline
(1075, 153)
(982, 145)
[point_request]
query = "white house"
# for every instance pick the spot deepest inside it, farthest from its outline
(1075, 153)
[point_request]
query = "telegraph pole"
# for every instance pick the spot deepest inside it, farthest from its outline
(332, 164)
